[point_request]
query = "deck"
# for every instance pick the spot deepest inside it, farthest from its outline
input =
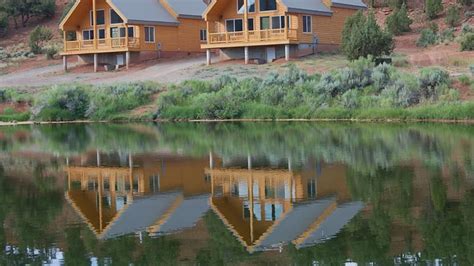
(251, 38)
(103, 45)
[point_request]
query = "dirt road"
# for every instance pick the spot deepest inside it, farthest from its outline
(163, 71)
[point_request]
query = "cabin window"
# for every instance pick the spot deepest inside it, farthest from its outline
(119, 32)
(268, 5)
(131, 32)
(101, 33)
(203, 35)
(233, 25)
(250, 8)
(264, 23)
(100, 17)
(150, 34)
(307, 26)
(278, 22)
(71, 36)
(88, 35)
(115, 18)
(250, 24)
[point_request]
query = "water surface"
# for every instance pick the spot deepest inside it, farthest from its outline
(237, 193)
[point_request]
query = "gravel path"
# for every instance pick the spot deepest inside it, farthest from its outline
(163, 71)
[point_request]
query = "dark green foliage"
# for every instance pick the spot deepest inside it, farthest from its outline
(431, 81)
(38, 37)
(362, 37)
(398, 22)
(62, 103)
(447, 35)
(427, 38)
(467, 42)
(3, 23)
(24, 10)
(466, 2)
(433, 8)
(452, 16)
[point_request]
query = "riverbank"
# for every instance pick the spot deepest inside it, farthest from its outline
(362, 91)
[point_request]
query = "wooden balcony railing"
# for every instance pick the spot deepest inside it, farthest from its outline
(253, 36)
(102, 44)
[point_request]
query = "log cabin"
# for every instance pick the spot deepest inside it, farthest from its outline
(114, 32)
(265, 30)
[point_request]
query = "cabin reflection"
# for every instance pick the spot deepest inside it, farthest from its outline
(265, 208)
(264, 204)
(122, 194)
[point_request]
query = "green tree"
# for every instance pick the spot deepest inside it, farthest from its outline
(452, 16)
(432, 8)
(399, 22)
(362, 36)
(38, 37)
(23, 10)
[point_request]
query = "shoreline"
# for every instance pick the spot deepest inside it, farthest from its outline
(392, 120)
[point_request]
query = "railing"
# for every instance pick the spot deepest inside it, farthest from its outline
(102, 44)
(253, 36)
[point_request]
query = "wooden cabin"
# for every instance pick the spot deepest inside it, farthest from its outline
(271, 29)
(114, 32)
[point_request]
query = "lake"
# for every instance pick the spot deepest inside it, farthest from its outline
(237, 193)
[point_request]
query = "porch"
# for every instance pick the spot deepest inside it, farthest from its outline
(103, 45)
(251, 38)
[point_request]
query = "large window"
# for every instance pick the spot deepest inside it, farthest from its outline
(278, 22)
(88, 35)
(233, 25)
(250, 8)
(264, 23)
(114, 17)
(101, 33)
(203, 35)
(250, 24)
(119, 32)
(307, 26)
(100, 17)
(267, 5)
(150, 34)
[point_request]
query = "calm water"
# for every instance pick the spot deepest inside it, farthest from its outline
(252, 193)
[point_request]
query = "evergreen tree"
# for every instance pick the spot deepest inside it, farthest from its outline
(452, 16)
(432, 8)
(399, 22)
(362, 36)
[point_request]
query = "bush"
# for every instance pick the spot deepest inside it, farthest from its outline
(432, 8)
(398, 22)
(427, 38)
(452, 16)
(38, 38)
(467, 42)
(362, 37)
(466, 28)
(465, 80)
(3, 23)
(433, 26)
(447, 35)
(62, 103)
(50, 51)
(432, 81)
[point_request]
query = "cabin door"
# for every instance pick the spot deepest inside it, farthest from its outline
(271, 55)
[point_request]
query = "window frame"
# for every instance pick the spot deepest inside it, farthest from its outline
(234, 20)
(269, 22)
(110, 17)
(281, 22)
(253, 24)
(269, 10)
(98, 33)
(91, 37)
(203, 35)
(91, 17)
(148, 35)
(248, 6)
(309, 26)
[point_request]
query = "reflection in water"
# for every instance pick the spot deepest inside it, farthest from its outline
(255, 193)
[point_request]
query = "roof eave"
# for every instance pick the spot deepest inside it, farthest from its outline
(348, 6)
(311, 12)
(190, 16)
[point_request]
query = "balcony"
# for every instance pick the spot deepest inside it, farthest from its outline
(103, 45)
(256, 37)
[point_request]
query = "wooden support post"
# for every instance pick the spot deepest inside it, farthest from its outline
(96, 63)
(246, 21)
(246, 54)
(287, 52)
(94, 18)
(208, 57)
(65, 63)
(127, 59)
(126, 37)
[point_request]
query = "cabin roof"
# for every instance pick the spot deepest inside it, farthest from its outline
(145, 11)
(316, 7)
(188, 8)
(356, 4)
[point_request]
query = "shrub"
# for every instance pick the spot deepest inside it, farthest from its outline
(432, 8)
(62, 103)
(466, 28)
(38, 37)
(431, 81)
(433, 26)
(452, 16)
(51, 51)
(465, 80)
(427, 38)
(467, 42)
(447, 35)
(3, 23)
(399, 22)
(363, 37)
